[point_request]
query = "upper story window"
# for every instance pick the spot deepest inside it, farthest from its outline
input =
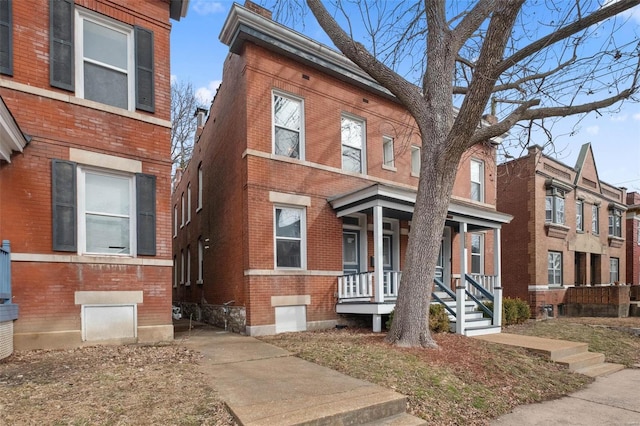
(175, 220)
(615, 222)
(175, 271)
(388, 159)
(477, 180)
(595, 220)
(353, 144)
(101, 59)
(182, 215)
(6, 38)
(415, 161)
(199, 187)
(188, 273)
(102, 212)
(182, 271)
(554, 205)
(290, 234)
(288, 137)
(189, 202)
(579, 215)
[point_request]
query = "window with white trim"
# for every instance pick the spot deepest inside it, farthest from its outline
(579, 215)
(175, 271)
(288, 128)
(188, 278)
(388, 159)
(182, 271)
(290, 237)
(615, 222)
(477, 253)
(554, 206)
(199, 187)
(614, 270)
(555, 268)
(415, 160)
(182, 215)
(189, 202)
(200, 260)
(477, 180)
(595, 219)
(353, 144)
(106, 212)
(105, 63)
(175, 220)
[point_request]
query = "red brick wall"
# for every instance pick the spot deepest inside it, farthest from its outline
(632, 243)
(45, 291)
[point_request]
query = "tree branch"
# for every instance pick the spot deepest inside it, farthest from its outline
(471, 22)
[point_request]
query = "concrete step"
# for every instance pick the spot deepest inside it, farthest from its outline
(600, 369)
(551, 348)
(582, 360)
(399, 420)
(482, 331)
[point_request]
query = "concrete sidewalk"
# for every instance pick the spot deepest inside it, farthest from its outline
(265, 385)
(610, 400)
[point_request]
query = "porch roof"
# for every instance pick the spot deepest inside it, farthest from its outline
(397, 202)
(11, 138)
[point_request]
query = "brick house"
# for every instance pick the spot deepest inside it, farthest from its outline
(296, 205)
(85, 205)
(567, 228)
(633, 238)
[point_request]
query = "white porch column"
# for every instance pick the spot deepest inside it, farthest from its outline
(497, 288)
(378, 268)
(460, 293)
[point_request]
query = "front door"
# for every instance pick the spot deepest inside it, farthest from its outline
(443, 268)
(350, 252)
(387, 259)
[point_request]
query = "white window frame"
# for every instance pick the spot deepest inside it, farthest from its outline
(182, 267)
(199, 188)
(615, 229)
(549, 269)
(82, 225)
(388, 154)
(595, 219)
(416, 152)
(614, 269)
(175, 220)
(363, 142)
(188, 277)
(479, 182)
(200, 261)
(182, 210)
(188, 202)
(479, 255)
(82, 15)
(579, 215)
(175, 271)
(302, 239)
(555, 199)
(301, 144)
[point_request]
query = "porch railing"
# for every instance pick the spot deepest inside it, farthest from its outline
(486, 282)
(361, 287)
(5, 273)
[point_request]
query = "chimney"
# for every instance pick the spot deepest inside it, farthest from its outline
(201, 116)
(257, 9)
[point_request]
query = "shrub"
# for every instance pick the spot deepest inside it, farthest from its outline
(514, 311)
(438, 319)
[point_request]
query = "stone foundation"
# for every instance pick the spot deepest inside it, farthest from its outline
(233, 317)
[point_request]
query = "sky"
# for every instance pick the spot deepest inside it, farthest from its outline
(197, 56)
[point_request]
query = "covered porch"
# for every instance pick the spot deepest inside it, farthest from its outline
(370, 284)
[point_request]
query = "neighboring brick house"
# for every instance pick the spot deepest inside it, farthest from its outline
(633, 238)
(297, 202)
(567, 228)
(85, 205)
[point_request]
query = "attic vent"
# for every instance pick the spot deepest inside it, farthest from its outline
(306, 77)
(589, 182)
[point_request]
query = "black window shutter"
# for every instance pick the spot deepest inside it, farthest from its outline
(63, 194)
(61, 44)
(144, 70)
(146, 214)
(6, 38)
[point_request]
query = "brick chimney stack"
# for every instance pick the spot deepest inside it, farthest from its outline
(258, 9)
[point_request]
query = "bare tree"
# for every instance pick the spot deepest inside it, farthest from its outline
(183, 122)
(525, 63)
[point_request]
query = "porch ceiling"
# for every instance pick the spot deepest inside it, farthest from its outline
(398, 203)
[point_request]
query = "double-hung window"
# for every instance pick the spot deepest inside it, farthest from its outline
(188, 277)
(477, 180)
(353, 144)
(290, 232)
(6, 37)
(189, 202)
(579, 215)
(415, 160)
(554, 206)
(555, 268)
(99, 58)
(388, 159)
(200, 261)
(102, 212)
(182, 212)
(175, 220)
(199, 188)
(615, 222)
(614, 270)
(595, 219)
(107, 218)
(288, 119)
(477, 251)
